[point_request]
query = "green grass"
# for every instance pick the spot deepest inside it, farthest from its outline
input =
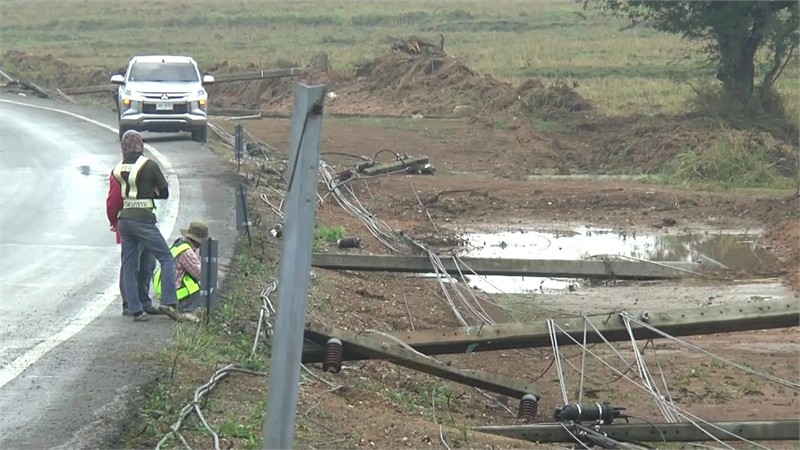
(200, 350)
(639, 71)
(325, 236)
(732, 162)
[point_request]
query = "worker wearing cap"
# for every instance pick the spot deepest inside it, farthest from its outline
(147, 263)
(141, 182)
(186, 251)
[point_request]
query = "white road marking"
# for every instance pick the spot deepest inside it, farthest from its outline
(98, 304)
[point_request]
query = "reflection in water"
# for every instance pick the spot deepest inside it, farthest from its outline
(735, 251)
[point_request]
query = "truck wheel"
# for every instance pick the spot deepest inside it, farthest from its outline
(200, 135)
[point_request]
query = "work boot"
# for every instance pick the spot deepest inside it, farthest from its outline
(171, 311)
(141, 317)
(152, 310)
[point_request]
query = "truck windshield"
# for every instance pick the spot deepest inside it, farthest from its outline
(158, 71)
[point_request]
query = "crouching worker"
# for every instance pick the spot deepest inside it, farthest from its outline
(186, 251)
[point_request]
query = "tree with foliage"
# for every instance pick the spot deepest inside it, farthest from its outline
(732, 31)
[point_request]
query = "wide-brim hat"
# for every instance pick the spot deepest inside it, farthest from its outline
(197, 231)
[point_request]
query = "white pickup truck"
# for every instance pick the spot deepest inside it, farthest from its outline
(163, 94)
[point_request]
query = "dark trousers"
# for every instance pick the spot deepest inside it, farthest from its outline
(135, 234)
(144, 276)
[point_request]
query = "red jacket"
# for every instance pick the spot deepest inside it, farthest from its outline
(114, 204)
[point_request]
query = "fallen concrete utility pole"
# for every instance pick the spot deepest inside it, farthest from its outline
(394, 166)
(684, 322)
(556, 268)
(258, 75)
(41, 93)
(286, 115)
(377, 348)
(83, 90)
(220, 78)
(767, 430)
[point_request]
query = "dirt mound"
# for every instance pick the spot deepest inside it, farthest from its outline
(51, 72)
(785, 241)
(652, 143)
(433, 84)
(647, 143)
(554, 99)
(429, 83)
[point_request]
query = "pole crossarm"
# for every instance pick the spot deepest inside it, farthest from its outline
(378, 348)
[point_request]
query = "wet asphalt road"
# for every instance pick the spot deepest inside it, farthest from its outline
(68, 358)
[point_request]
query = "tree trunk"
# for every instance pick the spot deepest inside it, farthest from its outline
(737, 69)
(738, 52)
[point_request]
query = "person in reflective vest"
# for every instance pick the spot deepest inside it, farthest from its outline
(147, 263)
(185, 250)
(141, 183)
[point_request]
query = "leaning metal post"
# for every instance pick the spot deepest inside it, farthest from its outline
(209, 274)
(242, 219)
(239, 145)
(298, 232)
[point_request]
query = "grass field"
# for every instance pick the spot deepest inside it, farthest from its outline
(638, 71)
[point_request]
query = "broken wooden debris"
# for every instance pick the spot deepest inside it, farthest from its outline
(414, 45)
(556, 268)
(377, 348)
(728, 318)
(766, 430)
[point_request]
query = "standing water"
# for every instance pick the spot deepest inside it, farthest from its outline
(733, 250)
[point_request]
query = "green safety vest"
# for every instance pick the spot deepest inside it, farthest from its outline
(188, 284)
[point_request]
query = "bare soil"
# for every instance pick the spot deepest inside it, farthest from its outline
(485, 160)
(468, 193)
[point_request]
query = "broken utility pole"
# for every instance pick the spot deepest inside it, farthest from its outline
(767, 430)
(684, 322)
(555, 268)
(394, 166)
(374, 347)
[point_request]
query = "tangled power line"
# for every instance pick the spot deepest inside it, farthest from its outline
(468, 309)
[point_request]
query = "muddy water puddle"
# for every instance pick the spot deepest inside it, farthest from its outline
(737, 251)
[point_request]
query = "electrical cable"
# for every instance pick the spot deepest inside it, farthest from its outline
(682, 412)
(785, 383)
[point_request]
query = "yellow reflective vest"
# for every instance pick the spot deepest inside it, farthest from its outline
(127, 175)
(188, 284)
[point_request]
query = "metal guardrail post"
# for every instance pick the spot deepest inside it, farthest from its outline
(242, 216)
(295, 266)
(209, 275)
(239, 146)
